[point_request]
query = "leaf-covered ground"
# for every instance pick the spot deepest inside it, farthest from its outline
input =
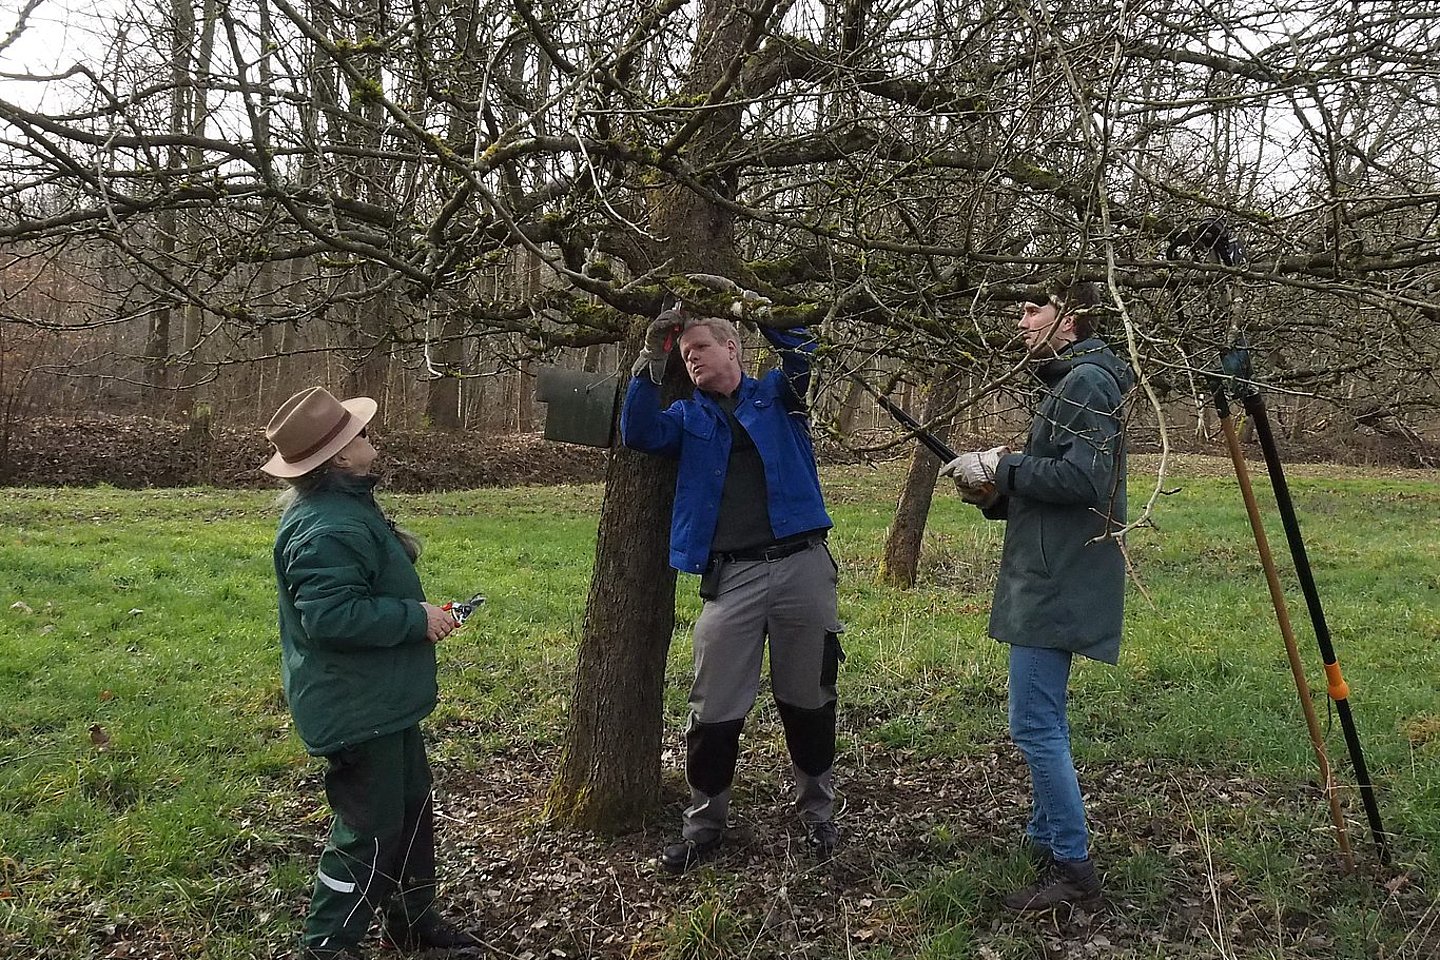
(1199, 862)
(924, 841)
(190, 828)
(912, 830)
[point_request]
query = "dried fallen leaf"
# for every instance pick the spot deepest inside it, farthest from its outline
(1397, 883)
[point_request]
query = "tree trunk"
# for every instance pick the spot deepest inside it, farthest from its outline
(849, 409)
(371, 177)
(192, 317)
(442, 398)
(593, 357)
(157, 341)
(900, 560)
(370, 340)
(609, 775)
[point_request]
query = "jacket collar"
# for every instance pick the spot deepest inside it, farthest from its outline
(1052, 371)
(742, 392)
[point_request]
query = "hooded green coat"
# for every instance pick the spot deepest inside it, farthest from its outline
(355, 663)
(1062, 581)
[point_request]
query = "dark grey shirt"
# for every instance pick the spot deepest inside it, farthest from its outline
(744, 521)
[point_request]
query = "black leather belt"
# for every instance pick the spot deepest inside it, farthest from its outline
(775, 551)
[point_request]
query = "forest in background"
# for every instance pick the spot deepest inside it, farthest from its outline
(218, 203)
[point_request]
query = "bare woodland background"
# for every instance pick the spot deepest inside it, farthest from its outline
(426, 201)
(423, 201)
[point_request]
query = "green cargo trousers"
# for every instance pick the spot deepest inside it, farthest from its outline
(381, 851)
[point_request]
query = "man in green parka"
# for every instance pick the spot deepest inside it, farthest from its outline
(1061, 585)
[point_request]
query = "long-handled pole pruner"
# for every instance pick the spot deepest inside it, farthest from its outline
(932, 443)
(1237, 367)
(1211, 239)
(1282, 614)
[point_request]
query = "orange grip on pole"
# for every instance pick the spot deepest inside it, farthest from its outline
(1339, 689)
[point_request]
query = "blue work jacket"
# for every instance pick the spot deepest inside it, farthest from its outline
(697, 432)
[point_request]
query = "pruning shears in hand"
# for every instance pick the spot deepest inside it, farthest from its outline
(461, 611)
(675, 318)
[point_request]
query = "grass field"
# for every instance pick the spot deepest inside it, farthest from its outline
(153, 802)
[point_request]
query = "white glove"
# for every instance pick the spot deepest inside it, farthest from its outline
(976, 468)
(749, 306)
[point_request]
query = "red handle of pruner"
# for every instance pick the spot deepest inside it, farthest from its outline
(461, 611)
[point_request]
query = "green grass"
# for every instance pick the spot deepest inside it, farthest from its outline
(151, 617)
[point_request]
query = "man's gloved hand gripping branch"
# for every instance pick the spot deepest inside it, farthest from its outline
(660, 338)
(664, 331)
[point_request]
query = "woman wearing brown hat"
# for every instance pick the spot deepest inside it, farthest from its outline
(358, 667)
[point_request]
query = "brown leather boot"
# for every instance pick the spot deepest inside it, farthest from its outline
(1068, 885)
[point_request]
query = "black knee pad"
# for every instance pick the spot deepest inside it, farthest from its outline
(711, 750)
(810, 735)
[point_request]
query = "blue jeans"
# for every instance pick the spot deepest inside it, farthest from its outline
(1038, 681)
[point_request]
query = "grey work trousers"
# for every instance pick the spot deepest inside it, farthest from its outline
(792, 603)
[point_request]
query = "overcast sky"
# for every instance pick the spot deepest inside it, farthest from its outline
(58, 34)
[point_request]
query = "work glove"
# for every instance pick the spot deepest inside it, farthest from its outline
(974, 474)
(985, 497)
(660, 339)
(976, 468)
(749, 306)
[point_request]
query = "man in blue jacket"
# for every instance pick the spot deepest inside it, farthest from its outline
(750, 519)
(1061, 585)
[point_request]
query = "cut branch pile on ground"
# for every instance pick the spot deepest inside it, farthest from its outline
(137, 452)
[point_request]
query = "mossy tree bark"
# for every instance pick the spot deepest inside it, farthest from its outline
(609, 773)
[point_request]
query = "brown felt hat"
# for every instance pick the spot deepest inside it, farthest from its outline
(311, 427)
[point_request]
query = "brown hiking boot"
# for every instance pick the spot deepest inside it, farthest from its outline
(1069, 885)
